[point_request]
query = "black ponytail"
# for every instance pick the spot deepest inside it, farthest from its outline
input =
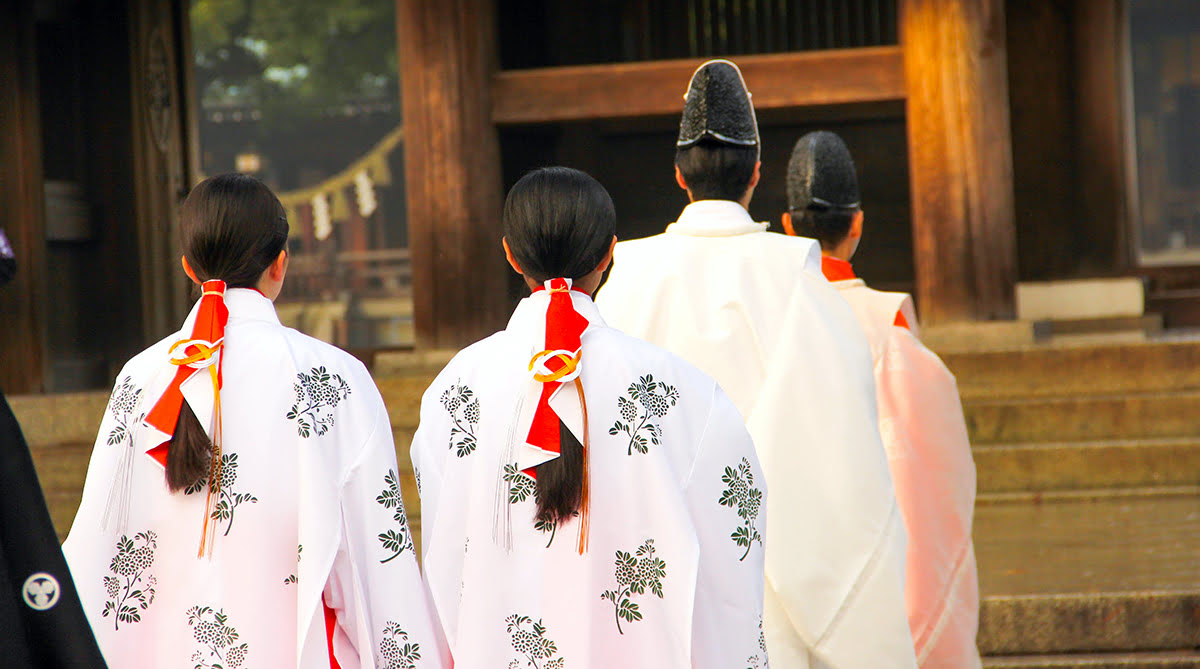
(189, 454)
(232, 227)
(559, 223)
(560, 481)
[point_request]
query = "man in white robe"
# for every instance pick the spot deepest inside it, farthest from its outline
(312, 565)
(920, 416)
(752, 309)
(663, 568)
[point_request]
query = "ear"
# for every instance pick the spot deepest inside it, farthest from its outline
(278, 268)
(786, 219)
(679, 178)
(187, 269)
(512, 261)
(607, 256)
(856, 225)
(754, 177)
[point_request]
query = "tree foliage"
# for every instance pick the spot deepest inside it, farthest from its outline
(303, 56)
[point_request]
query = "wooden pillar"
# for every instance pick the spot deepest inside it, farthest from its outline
(960, 158)
(22, 325)
(447, 54)
(159, 161)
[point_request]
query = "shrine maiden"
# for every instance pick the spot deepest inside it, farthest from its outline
(588, 500)
(752, 309)
(920, 416)
(241, 508)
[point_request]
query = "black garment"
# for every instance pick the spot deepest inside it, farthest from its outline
(33, 572)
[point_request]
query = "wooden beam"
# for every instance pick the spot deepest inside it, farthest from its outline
(626, 90)
(22, 334)
(960, 158)
(447, 53)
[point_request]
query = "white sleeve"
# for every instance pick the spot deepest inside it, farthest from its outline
(428, 453)
(835, 539)
(726, 496)
(381, 603)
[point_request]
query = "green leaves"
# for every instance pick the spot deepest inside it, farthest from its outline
(740, 494)
(634, 576)
(528, 637)
(317, 393)
(655, 398)
(629, 611)
(465, 415)
(390, 497)
(395, 542)
(521, 485)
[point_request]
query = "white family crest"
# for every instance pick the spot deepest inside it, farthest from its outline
(41, 591)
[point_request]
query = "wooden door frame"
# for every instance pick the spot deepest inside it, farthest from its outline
(22, 212)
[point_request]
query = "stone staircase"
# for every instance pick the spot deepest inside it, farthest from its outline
(1088, 518)
(1087, 525)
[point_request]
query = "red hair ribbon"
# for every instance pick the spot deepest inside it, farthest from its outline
(191, 356)
(555, 365)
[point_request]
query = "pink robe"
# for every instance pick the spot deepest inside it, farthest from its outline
(925, 435)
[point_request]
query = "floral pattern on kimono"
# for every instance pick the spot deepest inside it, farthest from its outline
(529, 640)
(634, 576)
(229, 499)
(463, 407)
(394, 542)
(216, 638)
(741, 495)
(646, 402)
(317, 394)
(131, 587)
(123, 404)
(393, 654)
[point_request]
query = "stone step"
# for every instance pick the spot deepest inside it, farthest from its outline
(1083, 418)
(63, 418)
(1120, 465)
(1088, 574)
(1058, 370)
(1183, 659)
(402, 395)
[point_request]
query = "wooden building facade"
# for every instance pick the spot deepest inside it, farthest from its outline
(993, 138)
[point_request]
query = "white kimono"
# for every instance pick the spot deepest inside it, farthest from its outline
(309, 511)
(752, 309)
(921, 420)
(672, 574)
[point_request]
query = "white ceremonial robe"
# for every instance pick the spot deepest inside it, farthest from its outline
(752, 309)
(673, 572)
(921, 421)
(309, 511)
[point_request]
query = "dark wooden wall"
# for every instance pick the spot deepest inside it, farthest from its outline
(22, 319)
(93, 99)
(1069, 162)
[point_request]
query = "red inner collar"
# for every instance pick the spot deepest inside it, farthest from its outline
(836, 269)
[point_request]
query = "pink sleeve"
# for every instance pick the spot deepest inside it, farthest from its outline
(925, 435)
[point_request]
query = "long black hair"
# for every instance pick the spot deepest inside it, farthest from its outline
(559, 223)
(232, 227)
